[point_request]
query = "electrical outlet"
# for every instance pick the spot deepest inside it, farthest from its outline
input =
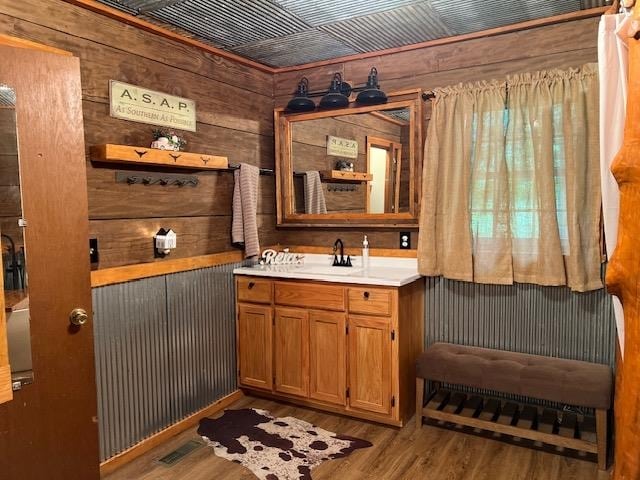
(94, 255)
(405, 240)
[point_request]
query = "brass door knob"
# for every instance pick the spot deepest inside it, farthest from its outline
(78, 317)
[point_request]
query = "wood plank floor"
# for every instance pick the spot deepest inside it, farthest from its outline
(431, 454)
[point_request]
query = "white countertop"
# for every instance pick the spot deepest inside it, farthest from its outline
(392, 272)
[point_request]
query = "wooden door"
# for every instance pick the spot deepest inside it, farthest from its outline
(396, 176)
(5, 368)
(370, 364)
(292, 351)
(392, 173)
(327, 359)
(49, 429)
(254, 346)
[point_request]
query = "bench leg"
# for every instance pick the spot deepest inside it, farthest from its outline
(601, 436)
(419, 401)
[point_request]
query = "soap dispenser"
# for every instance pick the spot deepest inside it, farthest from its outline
(365, 253)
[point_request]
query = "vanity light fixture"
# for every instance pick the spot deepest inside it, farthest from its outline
(338, 94)
(301, 101)
(372, 95)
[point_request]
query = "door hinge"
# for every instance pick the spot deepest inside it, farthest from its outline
(393, 335)
(347, 392)
(347, 329)
(393, 401)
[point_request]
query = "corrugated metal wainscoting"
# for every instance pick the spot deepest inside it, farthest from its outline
(551, 321)
(165, 348)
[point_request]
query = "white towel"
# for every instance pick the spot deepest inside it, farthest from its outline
(313, 195)
(244, 226)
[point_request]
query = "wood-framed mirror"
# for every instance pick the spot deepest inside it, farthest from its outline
(358, 166)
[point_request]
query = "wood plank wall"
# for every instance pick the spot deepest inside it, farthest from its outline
(235, 118)
(235, 105)
(562, 45)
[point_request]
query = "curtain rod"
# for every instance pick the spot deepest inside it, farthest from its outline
(428, 96)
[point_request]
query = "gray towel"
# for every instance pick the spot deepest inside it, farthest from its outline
(244, 227)
(313, 195)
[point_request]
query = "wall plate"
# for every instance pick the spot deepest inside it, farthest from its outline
(405, 240)
(94, 255)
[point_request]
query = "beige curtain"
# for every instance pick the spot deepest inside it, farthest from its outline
(512, 194)
(451, 165)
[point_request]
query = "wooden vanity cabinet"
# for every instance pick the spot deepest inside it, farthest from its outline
(255, 336)
(291, 351)
(340, 347)
(370, 342)
(328, 357)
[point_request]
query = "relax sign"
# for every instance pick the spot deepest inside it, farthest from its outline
(137, 104)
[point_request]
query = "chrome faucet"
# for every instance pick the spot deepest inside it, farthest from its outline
(342, 262)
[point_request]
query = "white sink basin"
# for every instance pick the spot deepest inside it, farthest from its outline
(390, 271)
(329, 270)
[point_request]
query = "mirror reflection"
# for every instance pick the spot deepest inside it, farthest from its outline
(14, 270)
(356, 163)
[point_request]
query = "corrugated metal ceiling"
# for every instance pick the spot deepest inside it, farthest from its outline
(282, 33)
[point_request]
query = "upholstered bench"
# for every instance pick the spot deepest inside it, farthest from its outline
(568, 382)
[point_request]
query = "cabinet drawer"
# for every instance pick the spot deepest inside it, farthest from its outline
(310, 295)
(370, 301)
(253, 290)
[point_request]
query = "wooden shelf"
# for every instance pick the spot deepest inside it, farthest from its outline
(152, 156)
(345, 177)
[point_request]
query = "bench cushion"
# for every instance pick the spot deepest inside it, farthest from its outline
(570, 382)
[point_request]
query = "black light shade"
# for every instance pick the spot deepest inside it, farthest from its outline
(301, 101)
(372, 95)
(338, 94)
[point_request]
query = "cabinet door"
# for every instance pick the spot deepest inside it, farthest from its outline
(370, 364)
(292, 351)
(328, 362)
(254, 346)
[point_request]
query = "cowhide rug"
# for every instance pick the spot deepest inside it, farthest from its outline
(274, 448)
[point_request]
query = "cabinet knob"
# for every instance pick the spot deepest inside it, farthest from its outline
(251, 285)
(366, 295)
